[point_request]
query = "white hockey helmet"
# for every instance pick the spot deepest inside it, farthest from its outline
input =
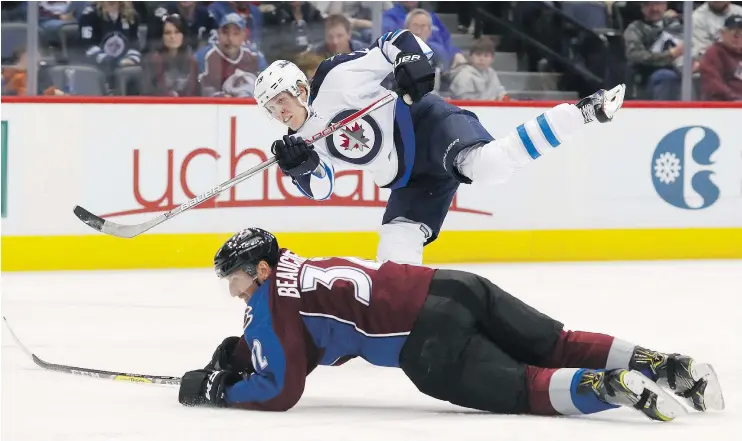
(280, 76)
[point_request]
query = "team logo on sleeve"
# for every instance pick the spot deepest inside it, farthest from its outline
(359, 143)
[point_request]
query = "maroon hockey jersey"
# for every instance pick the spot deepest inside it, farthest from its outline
(324, 312)
(220, 75)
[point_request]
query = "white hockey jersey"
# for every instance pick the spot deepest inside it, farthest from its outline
(381, 142)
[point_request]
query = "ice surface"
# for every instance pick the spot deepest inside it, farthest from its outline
(167, 322)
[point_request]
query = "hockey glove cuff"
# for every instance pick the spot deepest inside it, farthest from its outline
(206, 387)
(224, 358)
(414, 74)
(295, 157)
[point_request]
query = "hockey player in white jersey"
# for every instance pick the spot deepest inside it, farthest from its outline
(422, 152)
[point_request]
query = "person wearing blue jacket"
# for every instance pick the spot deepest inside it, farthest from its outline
(394, 18)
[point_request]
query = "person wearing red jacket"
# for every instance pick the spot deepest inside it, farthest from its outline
(721, 65)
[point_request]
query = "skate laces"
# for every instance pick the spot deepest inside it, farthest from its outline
(655, 361)
(593, 380)
(588, 112)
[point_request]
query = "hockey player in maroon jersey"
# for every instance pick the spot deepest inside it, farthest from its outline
(456, 335)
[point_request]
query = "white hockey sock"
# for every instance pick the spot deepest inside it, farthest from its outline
(498, 160)
(402, 241)
(619, 356)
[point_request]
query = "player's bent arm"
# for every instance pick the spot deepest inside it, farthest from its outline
(241, 394)
(280, 365)
(319, 184)
(402, 40)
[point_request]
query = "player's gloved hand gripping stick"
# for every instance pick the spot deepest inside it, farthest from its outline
(129, 231)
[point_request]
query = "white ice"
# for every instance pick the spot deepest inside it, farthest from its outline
(167, 322)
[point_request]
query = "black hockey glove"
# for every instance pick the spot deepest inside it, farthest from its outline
(223, 357)
(206, 387)
(295, 157)
(414, 74)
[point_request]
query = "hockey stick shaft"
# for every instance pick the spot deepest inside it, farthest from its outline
(129, 231)
(95, 373)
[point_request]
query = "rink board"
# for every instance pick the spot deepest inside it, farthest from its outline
(660, 182)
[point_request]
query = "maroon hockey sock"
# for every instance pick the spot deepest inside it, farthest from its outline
(580, 350)
(555, 392)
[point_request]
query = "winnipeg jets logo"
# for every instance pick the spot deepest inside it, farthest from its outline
(357, 143)
(353, 138)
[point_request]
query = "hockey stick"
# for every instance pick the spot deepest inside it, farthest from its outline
(129, 231)
(86, 372)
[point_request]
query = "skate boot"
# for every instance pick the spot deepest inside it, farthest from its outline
(697, 383)
(622, 387)
(602, 105)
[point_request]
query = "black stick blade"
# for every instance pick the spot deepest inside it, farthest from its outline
(89, 218)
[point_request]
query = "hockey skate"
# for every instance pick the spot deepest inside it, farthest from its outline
(697, 383)
(622, 387)
(602, 105)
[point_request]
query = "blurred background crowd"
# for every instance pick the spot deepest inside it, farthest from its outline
(483, 50)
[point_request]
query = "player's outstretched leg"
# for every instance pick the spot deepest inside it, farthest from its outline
(583, 391)
(534, 338)
(496, 161)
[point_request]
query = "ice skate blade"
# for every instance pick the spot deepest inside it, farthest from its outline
(712, 397)
(613, 100)
(668, 407)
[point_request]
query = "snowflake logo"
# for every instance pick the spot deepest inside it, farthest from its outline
(358, 139)
(667, 168)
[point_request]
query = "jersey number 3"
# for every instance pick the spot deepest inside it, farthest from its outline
(312, 275)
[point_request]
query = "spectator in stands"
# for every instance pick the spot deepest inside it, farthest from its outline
(300, 26)
(200, 24)
(109, 32)
(396, 17)
(654, 48)
(14, 78)
(291, 12)
(337, 38)
(253, 19)
(708, 20)
(308, 62)
(228, 68)
(250, 13)
(420, 23)
(721, 65)
(51, 14)
(359, 16)
(171, 70)
(478, 80)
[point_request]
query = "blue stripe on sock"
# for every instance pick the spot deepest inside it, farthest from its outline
(546, 130)
(587, 402)
(526, 140)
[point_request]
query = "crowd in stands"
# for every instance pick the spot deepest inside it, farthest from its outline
(218, 48)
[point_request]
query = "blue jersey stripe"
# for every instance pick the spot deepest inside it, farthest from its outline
(527, 143)
(340, 338)
(546, 130)
(403, 120)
